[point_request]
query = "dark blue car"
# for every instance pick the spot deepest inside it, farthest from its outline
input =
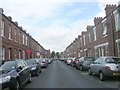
(14, 74)
(35, 67)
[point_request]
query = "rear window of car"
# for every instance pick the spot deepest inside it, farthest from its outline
(8, 66)
(30, 61)
(113, 60)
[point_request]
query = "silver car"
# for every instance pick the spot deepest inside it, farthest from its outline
(69, 61)
(105, 66)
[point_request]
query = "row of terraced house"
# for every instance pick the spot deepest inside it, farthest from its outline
(100, 39)
(16, 43)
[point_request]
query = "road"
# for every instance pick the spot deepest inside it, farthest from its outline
(60, 75)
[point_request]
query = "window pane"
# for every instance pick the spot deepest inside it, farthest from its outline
(3, 28)
(10, 32)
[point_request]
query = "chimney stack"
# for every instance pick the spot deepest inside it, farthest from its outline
(10, 18)
(1, 10)
(89, 27)
(97, 20)
(109, 8)
(16, 23)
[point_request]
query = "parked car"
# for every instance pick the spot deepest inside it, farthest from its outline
(65, 60)
(14, 74)
(105, 66)
(84, 63)
(75, 61)
(35, 67)
(43, 62)
(49, 60)
(69, 61)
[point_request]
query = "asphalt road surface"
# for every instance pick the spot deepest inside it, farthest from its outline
(60, 75)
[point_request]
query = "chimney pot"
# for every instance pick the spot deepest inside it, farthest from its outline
(10, 18)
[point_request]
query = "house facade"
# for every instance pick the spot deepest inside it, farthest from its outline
(16, 42)
(102, 38)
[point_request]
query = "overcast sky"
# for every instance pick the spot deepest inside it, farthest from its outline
(55, 23)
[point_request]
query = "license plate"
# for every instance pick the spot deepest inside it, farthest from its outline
(116, 74)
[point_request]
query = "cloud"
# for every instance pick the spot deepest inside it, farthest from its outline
(34, 15)
(58, 37)
(102, 4)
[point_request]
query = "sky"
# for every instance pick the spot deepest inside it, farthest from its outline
(55, 23)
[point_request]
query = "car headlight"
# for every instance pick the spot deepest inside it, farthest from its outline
(5, 79)
(33, 68)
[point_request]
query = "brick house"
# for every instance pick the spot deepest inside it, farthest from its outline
(90, 43)
(116, 30)
(16, 42)
(102, 39)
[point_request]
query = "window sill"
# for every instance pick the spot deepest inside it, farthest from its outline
(10, 39)
(105, 36)
(3, 36)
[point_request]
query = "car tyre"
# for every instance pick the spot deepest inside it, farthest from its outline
(37, 72)
(16, 86)
(30, 79)
(89, 72)
(40, 71)
(81, 68)
(101, 76)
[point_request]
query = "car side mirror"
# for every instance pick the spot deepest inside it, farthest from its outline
(19, 69)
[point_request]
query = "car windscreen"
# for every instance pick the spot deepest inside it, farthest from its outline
(113, 60)
(30, 61)
(8, 66)
(89, 59)
(88, 62)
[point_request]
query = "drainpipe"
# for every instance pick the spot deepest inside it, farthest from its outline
(1, 12)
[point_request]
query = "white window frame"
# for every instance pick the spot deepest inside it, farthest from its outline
(15, 53)
(20, 37)
(23, 39)
(10, 32)
(9, 53)
(94, 30)
(117, 19)
(104, 24)
(24, 55)
(3, 28)
(89, 35)
(26, 40)
(3, 53)
(80, 42)
(15, 33)
(118, 47)
(84, 40)
(19, 54)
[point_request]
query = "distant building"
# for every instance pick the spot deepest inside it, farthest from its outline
(100, 39)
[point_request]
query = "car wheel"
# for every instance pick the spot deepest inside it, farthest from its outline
(40, 71)
(76, 67)
(101, 76)
(89, 72)
(81, 68)
(30, 79)
(16, 86)
(37, 72)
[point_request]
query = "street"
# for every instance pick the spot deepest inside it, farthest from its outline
(60, 75)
